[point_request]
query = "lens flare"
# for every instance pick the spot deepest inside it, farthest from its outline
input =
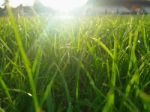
(64, 5)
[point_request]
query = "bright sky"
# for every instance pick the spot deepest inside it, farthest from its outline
(62, 5)
(15, 3)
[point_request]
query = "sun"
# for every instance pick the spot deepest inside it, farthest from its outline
(64, 5)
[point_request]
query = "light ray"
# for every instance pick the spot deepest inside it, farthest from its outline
(64, 5)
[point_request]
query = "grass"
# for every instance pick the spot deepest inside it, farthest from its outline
(88, 64)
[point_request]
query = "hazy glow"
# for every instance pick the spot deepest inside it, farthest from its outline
(15, 3)
(28, 2)
(63, 5)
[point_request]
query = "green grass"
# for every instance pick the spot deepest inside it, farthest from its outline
(88, 64)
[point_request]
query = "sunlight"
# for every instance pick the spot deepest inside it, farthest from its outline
(15, 3)
(64, 5)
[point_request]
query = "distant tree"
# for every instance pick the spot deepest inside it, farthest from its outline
(6, 4)
(38, 6)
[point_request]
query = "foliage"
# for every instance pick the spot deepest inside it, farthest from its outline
(87, 64)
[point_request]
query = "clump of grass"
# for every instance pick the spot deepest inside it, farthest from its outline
(85, 64)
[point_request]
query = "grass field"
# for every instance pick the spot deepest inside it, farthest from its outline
(88, 64)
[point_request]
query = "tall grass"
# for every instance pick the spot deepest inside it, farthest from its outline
(87, 64)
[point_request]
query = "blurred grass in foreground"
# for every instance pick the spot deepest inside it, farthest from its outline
(87, 64)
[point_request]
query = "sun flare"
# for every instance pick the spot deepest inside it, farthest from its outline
(64, 5)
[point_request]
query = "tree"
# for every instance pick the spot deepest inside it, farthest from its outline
(38, 6)
(6, 4)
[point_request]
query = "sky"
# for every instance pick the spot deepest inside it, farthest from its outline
(15, 3)
(51, 3)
